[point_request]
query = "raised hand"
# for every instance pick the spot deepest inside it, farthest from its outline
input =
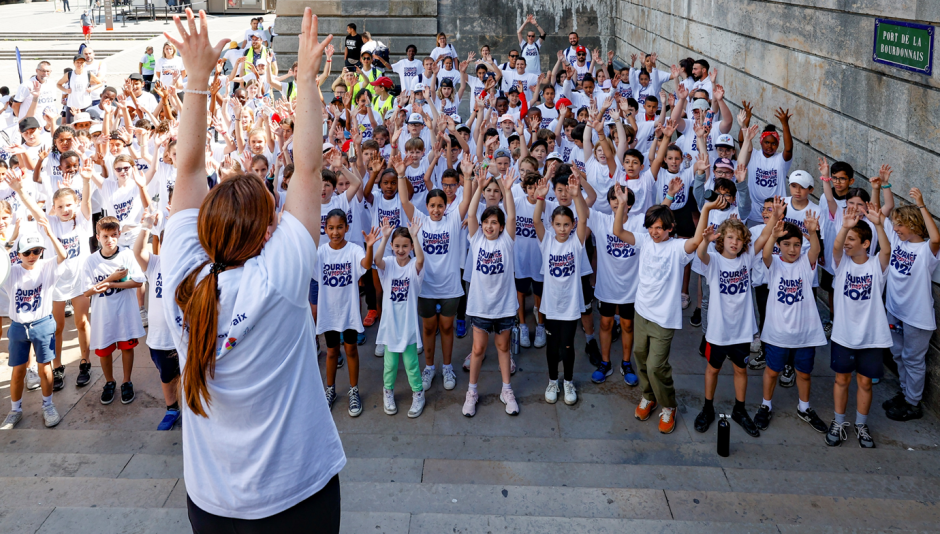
(199, 56)
(874, 214)
(917, 196)
(811, 221)
(621, 193)
(884, 173)
(701, 164)
(709, 234)
(740, 174)
(780, 207)
(370, 238)
(414, 227)
(309, 48)
(675, 185)
(779, 229)
(823, 166)
(783, 115)
(850, 217)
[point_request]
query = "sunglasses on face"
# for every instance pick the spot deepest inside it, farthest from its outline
(582, 55)
(31, 252)
(513, 56)
(122, 170)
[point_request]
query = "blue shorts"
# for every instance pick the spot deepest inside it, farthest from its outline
(802, 358)
(167, 362)
(314, 293)
(39, 334)
(497, 326)
(866, 362)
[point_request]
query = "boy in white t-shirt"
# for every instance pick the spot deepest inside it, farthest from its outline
(860, 331)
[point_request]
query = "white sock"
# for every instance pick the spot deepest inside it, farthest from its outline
(506, 386)
(767, 404)
(431, 367)
(472, 387)
(447, 367)
(46, 401)
(17, 405)
(588, 338)
(803, 406)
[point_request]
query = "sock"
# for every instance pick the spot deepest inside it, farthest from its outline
(174, 406)
(448, 367)
(17, 405)
(767, 404)
(709, 405)
(506, 386)
(472, 387)
(431, 367)
(739, 405)
(860, 419)
(588, 338)
(46, 401)
(840, 418)
(803, 406)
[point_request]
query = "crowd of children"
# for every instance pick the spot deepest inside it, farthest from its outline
(579, 188)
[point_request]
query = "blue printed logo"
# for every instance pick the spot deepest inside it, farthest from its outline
(765, 178)
(902, 261)
(437, 244)
(733, 282)
(28, 300)
(790, 292)
(525, 227)
(857, 287)
(490, 262)
(337, 274)
(619, 249)
(400, 290)
(561, 265)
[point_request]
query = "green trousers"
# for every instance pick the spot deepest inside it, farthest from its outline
(651, 344)
(410, 356)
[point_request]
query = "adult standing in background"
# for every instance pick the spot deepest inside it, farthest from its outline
(145, 68)
(239, 288)
(352, 47)
(88, 23)
(49, 94)
(99, 69)
(531, 45)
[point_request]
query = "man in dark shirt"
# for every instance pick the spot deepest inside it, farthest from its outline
(353, 47)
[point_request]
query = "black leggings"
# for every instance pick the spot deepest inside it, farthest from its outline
(318, 514)
(560, 346)
(368, 284)
(762, 292)
(462, 305)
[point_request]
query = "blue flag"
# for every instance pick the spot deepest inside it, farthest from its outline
(19, 64)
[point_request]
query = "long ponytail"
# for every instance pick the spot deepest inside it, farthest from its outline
(232, 226)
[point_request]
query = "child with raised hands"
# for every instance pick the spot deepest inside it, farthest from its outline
(30, 285)
(915, 245)
(728, 270)
(340, 264)
(860, 330)
(658, 302)
(561, 246)
(491, 303)
(400, 330)
(528, 256)
(792, 330)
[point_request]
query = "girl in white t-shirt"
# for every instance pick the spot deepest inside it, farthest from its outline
(340, 264)
(400, 330)
(860, 330)
(561, 292)
(528, 259)
(169, 66)
(915, 243)
(491, 303)
(161, 176)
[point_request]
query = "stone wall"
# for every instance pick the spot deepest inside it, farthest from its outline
(813, 57)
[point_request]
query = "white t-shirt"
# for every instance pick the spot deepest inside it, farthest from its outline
(444, 51)
(528, 253)
(388, 209)
(337, 202)
(562, 298)
(116, 313)
(124, 203)
(338, 274)
(730, 306)
(158, 332)
(530, 52)
(440, 241)
(660, 280)
(598, 175)
(644, 190)
(550, 206)
(859, 321)
(528, 80)
(74, 236)
(166, 69)
(617, 261)
(165, 177)
(255, 467)
(688, 142)
(792, 318)
(910, 291)
(645, 136)
(31, 291)
(492, 287)
(682, 197)
(549, 114)
(657, 79)
(49, 96)
(400, 325)
(407, 73)
(715, 218)
(415, 176)
(766, 177)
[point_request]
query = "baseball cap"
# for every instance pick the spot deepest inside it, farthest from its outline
(513, 89)
(28, 123)
(95, 128)
(580, 49)
(463, 127)
(77, 57)
(701, 104)
(725, 140)
(327, 146)
(502, 153)
(81, 117)
(802, 178)
(724, 163)
(390, 113)
(507, 117)
(554, 155)
(415, 118)
(136, 76)
(419, 87)
(447, 82)
(28, 240)
(561, 102)
(383, 81)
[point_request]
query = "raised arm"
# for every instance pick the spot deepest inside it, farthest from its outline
(56, 244)
(140, 244)
(702, 251)
(811, 221)
(932, 231)
(414, 228)
(826, 179)
(727, 119)
(378, 257)
(776, 224)
(624, 235)
(509, 206)
(691, 244)
(784, 117)
(877, 218)
(580, 206)
(540, 191)
(849, 219)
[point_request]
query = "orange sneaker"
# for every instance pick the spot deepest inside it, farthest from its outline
(667, 420)
(644, 410)
(370, 318)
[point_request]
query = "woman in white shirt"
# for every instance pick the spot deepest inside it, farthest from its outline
(169, 66)
(259, 445)
(443, 49)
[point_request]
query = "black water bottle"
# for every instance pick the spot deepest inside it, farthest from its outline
(724, 436)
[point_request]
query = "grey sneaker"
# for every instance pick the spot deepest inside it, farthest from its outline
(836, 434)
(417, 404)
(50, 416)
(540, 337)
(524, 340)
(864, 437)
(32, 378)
(11, 420)
(355, 403)
(427, 378)
(450, 379)
(508, 398)
(330, 396)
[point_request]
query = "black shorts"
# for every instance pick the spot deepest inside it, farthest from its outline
(609, 310)
(333, 338)
(825, 280)
(738, 354)
(588, 291)
(866, 362)
(527, 286)
(685, 225)
(167, 362)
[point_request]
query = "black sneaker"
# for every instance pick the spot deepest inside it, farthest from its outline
(107, 394)
(788, 377)
(704, 419)
(757, 361)
(84, 373)
(763, 416)
(330, 396)
(827, 329)
(893, 401)
(58, 378)
(864, 437)
(742, 418)
(905, 412)
(696, 319)
(836, 434)
(593, 353)
(814, 421)
(701, 347)
(127, 393)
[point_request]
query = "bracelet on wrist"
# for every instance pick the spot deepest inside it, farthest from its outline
(886, 186)
(825, 178)
(922, 207)
(670, 197)
(194, 92)
(540, 198)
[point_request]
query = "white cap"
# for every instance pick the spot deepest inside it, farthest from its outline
(418, 87)
(507, 117)
(802, 178)
(415, 118)
(390, 113)
(554, 155)
(327, 146)
(725, 140)
(28, 240)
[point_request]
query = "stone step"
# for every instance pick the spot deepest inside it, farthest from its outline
(286, 44)
(379, 27)
(99, 36)
(360, 8)
(50, 55)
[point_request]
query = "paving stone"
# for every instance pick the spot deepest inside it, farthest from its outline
(463, 524)
(30, 464)
(84, 492)
(97, 520)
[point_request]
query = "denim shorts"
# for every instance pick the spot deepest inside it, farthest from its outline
(803, 358)
(167, 363)
(39, 334)
(314, 293)
(497, 326)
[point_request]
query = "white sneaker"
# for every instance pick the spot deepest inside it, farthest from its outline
(512, 366)
(450, 379)
(32, 378)
(11, 420)
(540, 338)
(685, 301)
(551, 392)
(571, 396)
(470, 403)
(524, 340)
(50, 416)
(389, 396)
(755, 344)
(427, 377)
(379, 350)
(417, 404)
(143, 317)
(507, 397)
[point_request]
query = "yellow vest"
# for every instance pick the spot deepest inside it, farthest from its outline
(384, 107)
(250, 57)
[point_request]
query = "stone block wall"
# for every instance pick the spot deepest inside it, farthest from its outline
(813, 57)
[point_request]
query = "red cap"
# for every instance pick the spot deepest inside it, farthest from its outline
(562, 102)
(580, 49)
(346, 145)
(383, 81)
